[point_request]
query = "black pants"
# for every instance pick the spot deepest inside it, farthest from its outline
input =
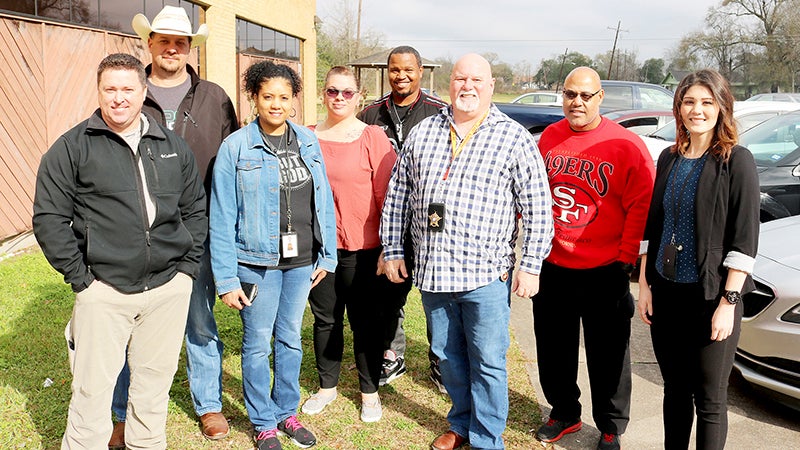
(393, 300)
(600, 299)
(352, 288)
(695, 368)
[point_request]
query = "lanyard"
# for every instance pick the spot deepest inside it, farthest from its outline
(458, 147)
(283, 157)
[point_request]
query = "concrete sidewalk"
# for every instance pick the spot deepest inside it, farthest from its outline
(753, 421)
(17, 244)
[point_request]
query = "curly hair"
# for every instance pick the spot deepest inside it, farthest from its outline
(122, 61)
(263, 71)
(725, 134)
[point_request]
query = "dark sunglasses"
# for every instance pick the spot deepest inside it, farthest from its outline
(585, 96)
(346, 93)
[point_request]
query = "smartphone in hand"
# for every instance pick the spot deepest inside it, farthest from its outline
(250, 290)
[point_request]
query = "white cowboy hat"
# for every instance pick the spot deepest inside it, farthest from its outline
(171, 20)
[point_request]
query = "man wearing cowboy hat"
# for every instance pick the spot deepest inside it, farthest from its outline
(202, 114)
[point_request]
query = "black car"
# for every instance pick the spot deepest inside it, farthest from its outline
(775, 145)
(535, 118)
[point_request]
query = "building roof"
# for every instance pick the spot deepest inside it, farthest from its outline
(378, 61)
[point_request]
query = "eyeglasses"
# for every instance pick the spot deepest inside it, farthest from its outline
(585, 96)
(346, 93)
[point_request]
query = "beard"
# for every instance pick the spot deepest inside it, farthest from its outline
(169, 66)
(469, 104)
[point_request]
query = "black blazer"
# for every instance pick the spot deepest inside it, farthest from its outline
(726, 216)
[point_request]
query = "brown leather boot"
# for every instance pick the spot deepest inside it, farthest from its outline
(117, 441)
(448, 441)
(215, 426)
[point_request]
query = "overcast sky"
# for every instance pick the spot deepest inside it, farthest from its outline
(528, 29)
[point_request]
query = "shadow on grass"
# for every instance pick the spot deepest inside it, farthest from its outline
(36, 305)
(33, 353)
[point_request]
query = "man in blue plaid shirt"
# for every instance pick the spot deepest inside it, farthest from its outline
(464, 177)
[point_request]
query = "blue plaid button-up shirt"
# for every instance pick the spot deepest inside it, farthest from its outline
(498, 175)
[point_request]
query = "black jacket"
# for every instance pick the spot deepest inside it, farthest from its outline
(89, 213)
(378, 113)
(205, 117)
(727, 214)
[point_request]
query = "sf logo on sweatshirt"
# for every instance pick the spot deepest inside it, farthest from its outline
(573, 207)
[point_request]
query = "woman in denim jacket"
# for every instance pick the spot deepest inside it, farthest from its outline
(272, 224)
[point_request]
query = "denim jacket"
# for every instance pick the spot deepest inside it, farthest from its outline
(244, 217)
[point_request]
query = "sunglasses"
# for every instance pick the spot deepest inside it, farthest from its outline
(346, 93)
(585, 96)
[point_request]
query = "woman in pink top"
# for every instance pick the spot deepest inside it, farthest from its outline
(359, 159)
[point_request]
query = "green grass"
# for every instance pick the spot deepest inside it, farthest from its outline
(36, 305)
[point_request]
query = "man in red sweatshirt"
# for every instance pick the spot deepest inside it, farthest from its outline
(601, 178)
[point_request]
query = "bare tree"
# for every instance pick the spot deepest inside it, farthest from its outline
(770, 17)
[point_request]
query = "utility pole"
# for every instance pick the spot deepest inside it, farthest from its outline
(358, 29)
(614, 48)
(561, 69)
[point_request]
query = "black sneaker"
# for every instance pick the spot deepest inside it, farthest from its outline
(436, 377)
(392, 370)
(268, 440)
(554, 430)
(608, 441)
(297, 432)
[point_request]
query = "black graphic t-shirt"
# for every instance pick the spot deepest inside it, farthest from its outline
(297, 197)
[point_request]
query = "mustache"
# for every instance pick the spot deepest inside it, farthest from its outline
(469, 92)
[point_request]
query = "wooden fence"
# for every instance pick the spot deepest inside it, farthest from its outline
(48, 84)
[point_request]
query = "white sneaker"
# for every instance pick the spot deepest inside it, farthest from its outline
(371, 411)
(317, 402)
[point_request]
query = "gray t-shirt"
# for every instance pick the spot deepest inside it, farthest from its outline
(169, 98)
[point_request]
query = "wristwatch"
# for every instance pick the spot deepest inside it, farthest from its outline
(733, 297)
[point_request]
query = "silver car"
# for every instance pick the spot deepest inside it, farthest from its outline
(768, 354)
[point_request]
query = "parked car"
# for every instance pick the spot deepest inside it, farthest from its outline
(540, 98)
(625, 95)
(535, 118)
(634, 95)
(768, 354)
(775, 145)
(776, 97)
(640, 121)
(747, 114)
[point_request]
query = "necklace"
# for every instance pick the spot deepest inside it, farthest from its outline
(398, 125)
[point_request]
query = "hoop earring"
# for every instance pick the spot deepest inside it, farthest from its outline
(294, 113)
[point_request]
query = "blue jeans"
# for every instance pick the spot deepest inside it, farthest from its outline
(276, 312)
(470, 338)
(203, 350)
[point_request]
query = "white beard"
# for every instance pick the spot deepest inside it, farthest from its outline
(469, 104)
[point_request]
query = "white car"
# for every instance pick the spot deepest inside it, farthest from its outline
(539, 98)
(768, 353)
(747, 115)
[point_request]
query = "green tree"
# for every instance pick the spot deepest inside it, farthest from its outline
(552, 71)
(652, 71)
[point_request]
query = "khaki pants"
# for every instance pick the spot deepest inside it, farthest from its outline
(104, 322)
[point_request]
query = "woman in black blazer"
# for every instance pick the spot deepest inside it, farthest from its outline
(701, 239)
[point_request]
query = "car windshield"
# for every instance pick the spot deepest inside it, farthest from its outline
(667, 132)
(773, 140)
(655, 99)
